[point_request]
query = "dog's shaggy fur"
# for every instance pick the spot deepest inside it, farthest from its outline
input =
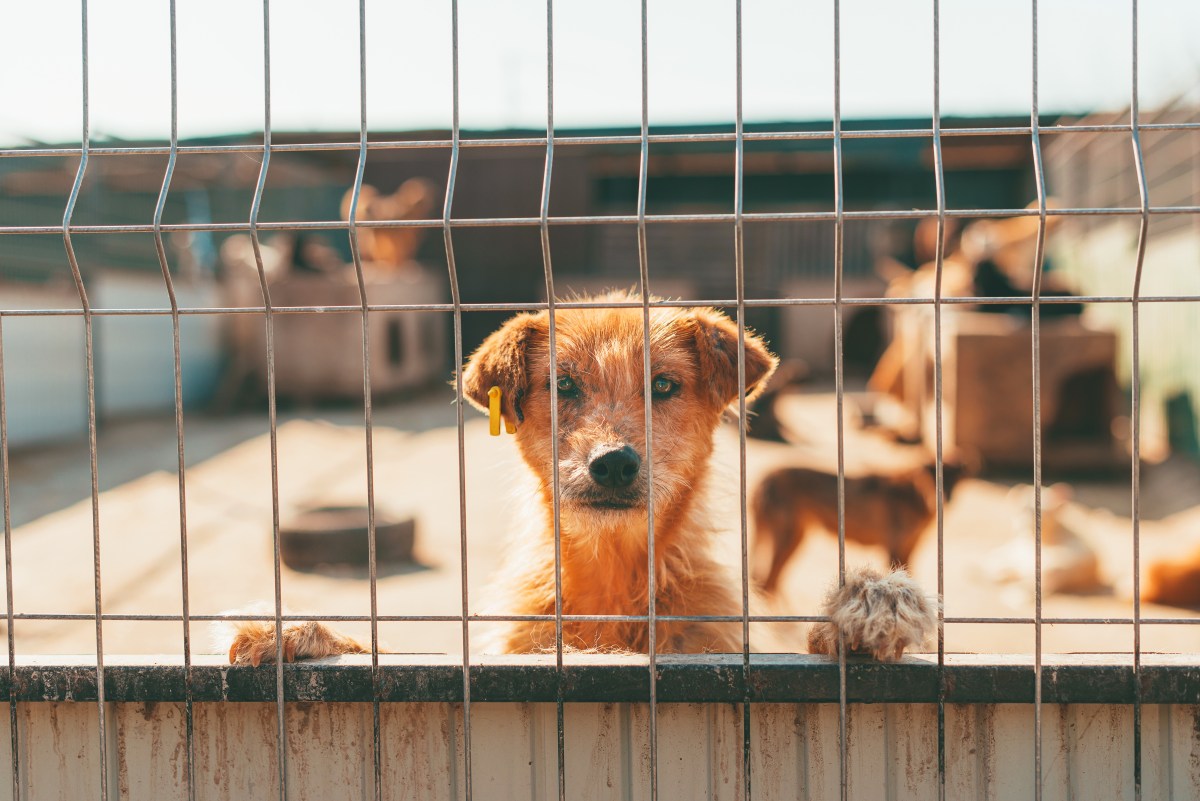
(887, 509)
(254, 643)
(879, 614)
(605, 472)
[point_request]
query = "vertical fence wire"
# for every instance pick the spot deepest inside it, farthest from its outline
(1195, 117)
(456, 298)
(555, 479)
(269, 322)
(90, 366)
(1036, 357)
(739, 263)
(939, 258)
(14, 740)
(368, 414)
(644, 281)
(1135, 411)
(839, 378)
(177, 365)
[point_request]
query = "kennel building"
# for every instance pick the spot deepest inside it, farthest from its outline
(216, 184)
(744, 725)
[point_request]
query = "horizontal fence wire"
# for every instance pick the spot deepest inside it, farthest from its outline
(568, 140)
(601, 219)
(483, 618)
(542, 306)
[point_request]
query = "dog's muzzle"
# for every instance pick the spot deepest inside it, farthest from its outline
(615, 468)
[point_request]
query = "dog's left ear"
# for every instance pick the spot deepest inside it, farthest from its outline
(501, 362)
(717, 357)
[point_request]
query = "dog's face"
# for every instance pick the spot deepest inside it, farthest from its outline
(604, 466)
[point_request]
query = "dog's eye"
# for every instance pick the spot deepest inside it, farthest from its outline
(663, 387)
(567, 386)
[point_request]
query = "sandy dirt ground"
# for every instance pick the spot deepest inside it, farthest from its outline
(322, 460)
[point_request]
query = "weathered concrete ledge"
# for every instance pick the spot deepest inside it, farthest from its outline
(773, 678)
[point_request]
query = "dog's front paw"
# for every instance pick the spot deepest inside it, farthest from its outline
(254, 643)
(881, 615)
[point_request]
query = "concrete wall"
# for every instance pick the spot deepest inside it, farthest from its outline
(44, 367)
(1088, 751)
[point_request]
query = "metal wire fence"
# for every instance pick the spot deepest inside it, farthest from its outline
(546, 223)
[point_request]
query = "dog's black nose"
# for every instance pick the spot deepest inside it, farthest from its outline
(616, 468)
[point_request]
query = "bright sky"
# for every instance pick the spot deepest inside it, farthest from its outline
(886, 58)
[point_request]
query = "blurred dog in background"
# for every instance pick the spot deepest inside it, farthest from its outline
(891, 510)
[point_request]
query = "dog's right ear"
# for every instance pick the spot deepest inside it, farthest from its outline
(501, 362)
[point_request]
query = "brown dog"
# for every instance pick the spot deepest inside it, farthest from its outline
(391, 248)
(891, 510)
(1174, 581)
(607, 477)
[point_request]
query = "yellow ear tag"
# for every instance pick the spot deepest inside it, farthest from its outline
(494, 411)
(509, 427)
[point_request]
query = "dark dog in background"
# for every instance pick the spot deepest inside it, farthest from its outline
(887, 509)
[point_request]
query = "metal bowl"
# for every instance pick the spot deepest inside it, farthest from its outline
(337, 535)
